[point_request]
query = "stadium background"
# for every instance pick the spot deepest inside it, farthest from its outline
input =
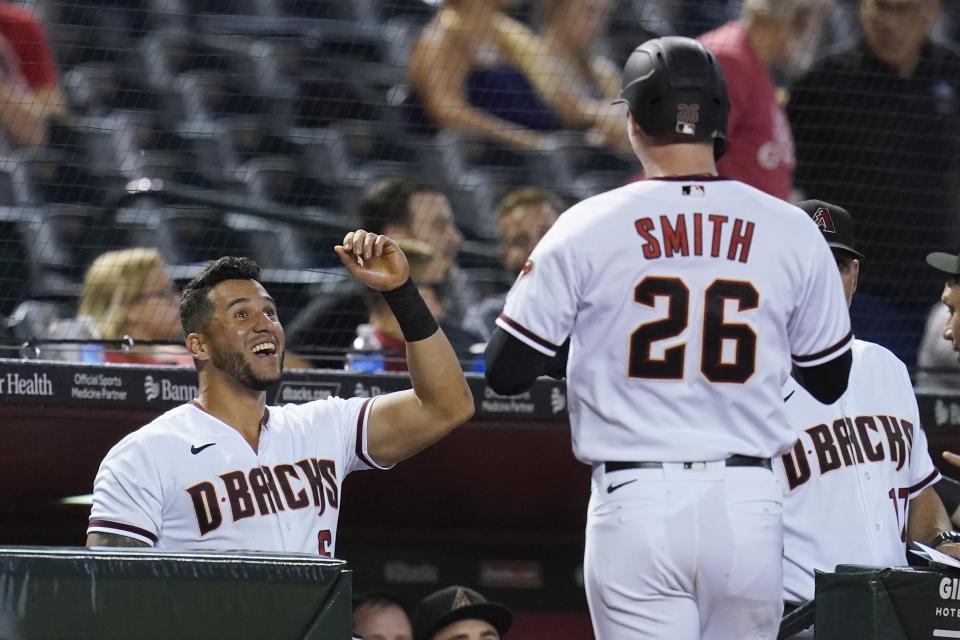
(253, 127)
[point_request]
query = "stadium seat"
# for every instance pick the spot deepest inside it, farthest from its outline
(571, 156)
(89, 142)
(354, 11)
(100, 89)
(369, 142)
(458, 152)
(475, 195)
(194, 235)
(286, 182)
(61, 240)
(14, 268)
(42, 178)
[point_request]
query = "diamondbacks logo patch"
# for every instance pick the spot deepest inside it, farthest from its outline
(527, 268)
(824, 220)
(688, 115)
(462, 599)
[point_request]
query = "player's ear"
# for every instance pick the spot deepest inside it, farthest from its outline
(855, 267)
(197, 345)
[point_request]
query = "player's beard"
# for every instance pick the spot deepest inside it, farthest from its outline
(234, 365)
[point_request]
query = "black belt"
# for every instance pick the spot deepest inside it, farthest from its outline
(732, 461)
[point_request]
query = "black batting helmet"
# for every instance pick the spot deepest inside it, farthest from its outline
(675, 90)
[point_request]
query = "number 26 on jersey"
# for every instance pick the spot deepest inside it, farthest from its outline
(715, 364)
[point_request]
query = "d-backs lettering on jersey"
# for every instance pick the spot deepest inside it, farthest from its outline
(684, 300)
(849, 478)
(189, 481)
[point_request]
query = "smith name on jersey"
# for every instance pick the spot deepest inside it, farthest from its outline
(189, 481)
(849, 478)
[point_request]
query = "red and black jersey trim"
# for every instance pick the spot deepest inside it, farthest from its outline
(692, 178)
(926, 482)
(826, 352)
(360, 420)
(119, 526)
(519, 328)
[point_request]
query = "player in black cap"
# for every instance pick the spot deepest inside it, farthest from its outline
(462, 613)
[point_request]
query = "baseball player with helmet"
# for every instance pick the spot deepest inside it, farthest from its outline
(858, 481)
(225, 471)
(685, 299)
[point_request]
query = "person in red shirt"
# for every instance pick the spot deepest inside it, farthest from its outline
(29, 86)
(769, 34)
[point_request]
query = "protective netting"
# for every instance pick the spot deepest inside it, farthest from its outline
(158, 134)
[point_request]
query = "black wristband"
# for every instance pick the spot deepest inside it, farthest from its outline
(945, 536)
(415, 320)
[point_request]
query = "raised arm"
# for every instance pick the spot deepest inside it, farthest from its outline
(438, 70)
(405, 422)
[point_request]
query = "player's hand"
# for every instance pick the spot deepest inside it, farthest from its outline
(951, 549)
(952, 458)
(374, 260)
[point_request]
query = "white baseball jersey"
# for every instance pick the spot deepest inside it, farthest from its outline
(849, 478)
(189, 481)
(684, 299)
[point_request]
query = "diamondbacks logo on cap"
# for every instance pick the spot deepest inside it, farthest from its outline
(688, 115)
(824, 220)
(462, 599)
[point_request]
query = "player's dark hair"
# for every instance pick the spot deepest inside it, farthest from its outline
(195, 306)
(387, 202)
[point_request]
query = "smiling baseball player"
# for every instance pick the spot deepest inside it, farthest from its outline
(685, 297)
(226, 472)
(857, 482)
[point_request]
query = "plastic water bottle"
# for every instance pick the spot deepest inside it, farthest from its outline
(367, 354)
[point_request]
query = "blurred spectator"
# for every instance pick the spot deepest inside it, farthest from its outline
(29, 87)
(474, 67)
(400, 207)
(523, 217)
(770, 35)
(936, 360)
(569, 30)
(462, 614)
(130, 293)
(877, 126)
(381, 337)
(381, 616)
(686, 18)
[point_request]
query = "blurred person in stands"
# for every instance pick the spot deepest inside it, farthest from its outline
(459, 613)
(401, 208)
(570, 29)
(877, 126)
(381, 616)
(475, 68)
(381, 333)
(29, 87)
(770, 35)
(130, 293)
(523, 217)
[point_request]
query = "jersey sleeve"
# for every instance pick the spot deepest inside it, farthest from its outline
(542, 303)
(923, 473)
(127, 494)
(354, 418)
(819, 327)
